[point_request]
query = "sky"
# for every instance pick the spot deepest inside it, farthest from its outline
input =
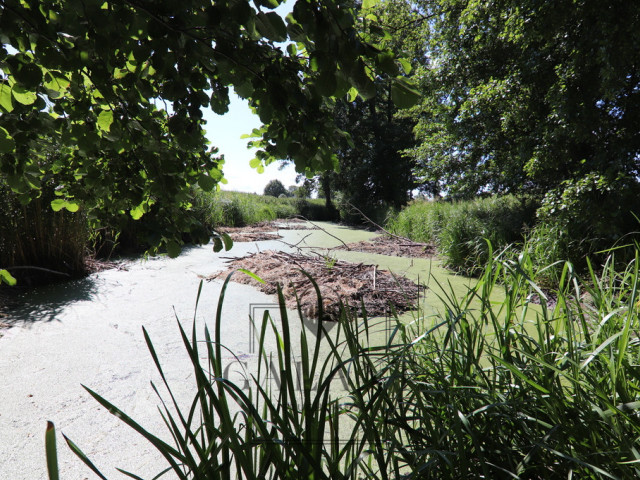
(224, 132)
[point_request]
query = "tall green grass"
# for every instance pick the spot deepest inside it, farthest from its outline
(236, 209)
(540, 385)
(460, 230)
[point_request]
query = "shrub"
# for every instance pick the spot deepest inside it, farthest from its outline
(461, 229)
(592, 215)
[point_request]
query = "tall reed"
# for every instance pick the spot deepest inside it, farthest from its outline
(543, 384)
(34, 235)
(460, 229)
(236, 209)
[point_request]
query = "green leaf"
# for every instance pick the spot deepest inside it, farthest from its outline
(404, 93)
(226, 239)
(60, 203)
(6, 277)
(364, 84)
(137, 212)
(57, 204)
(255, 133)
(5, 98)
(17, 183)
(269, 3)
(251, 274)
(7, 144)
(220, 241)
(367, 89)
(271, 26)
(50, 448)
(29, 75)
(105, 119)
(206, 182)
(406, 65)
(386, 62)
(244, 89)
(23, 96)
(217, 244)
(367, 4)
(56, 84)
(81, 455)
(255, 162)
(173, 248)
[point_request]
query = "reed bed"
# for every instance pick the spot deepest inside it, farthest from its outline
(237, 209)
(38, 244)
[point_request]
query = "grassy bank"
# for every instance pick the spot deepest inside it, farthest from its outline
(236, 209)
(461, 231)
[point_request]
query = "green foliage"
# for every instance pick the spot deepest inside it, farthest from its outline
(275, 188)
(105, 98)
(548, 245)
(373, 174)
(592, 214)
(7, 278)
(461, 230)
(509, 389)
(526, 98)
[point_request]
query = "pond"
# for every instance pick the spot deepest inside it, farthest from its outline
(89, 332)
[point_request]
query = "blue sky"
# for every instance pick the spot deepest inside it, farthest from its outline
(224, 132)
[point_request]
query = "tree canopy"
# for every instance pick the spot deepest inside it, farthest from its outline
(374, 174)
(528, 95)
(103, 99)
(275, 188)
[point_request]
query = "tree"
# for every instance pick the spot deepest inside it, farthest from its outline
(116, 88)
(374, 172)
(275, 188)
(528, 96)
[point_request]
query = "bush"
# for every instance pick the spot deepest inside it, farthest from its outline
(460, 230)
(591, 215)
